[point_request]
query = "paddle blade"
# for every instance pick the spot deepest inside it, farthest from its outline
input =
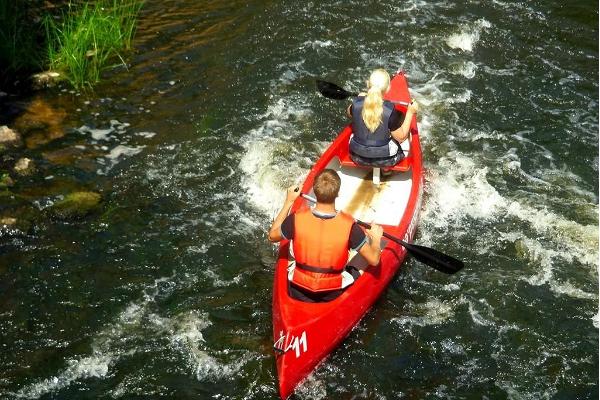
(333, 91)
(435, 259)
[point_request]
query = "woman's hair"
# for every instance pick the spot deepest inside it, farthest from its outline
(327, 186)
(377, 85)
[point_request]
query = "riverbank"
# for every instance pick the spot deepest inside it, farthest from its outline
(76, 41)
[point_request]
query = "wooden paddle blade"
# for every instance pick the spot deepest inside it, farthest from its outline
(435, 259)
(333, 91)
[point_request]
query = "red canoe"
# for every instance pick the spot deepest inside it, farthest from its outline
(306, 333)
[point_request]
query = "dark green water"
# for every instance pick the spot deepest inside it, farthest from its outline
(166, 290)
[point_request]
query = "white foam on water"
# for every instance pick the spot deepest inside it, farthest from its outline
(461, 97)
(146, 135)
(312, 388)
(567, 288)
(466, 69)
(290, 73)
(97, 134)
(116, 131)
(95, 366)
(476, 315)
(119, 126)
(315, 44)
(449, 346)
(267, 166)
(469, 36)
(458, 189)
(581, 240)
(217, 281)
(117, 154)
(433, 312)
(202, 249)
(429, 94)
(185, 333)
(451, 287)
(500, 71)
(123, 150)
(107, 346)
(412, 5)
(534, 252)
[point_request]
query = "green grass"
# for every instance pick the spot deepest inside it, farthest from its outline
(90, 38)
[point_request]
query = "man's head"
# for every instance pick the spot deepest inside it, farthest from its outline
(327, 186)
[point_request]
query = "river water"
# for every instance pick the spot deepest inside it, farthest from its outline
(166, 290)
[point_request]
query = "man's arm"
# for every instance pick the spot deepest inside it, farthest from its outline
(371, 251)
(275, 230)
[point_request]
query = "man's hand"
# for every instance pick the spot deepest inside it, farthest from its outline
(292, 194)
(375, 234)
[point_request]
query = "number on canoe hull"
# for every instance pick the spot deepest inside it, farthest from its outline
(289, 342)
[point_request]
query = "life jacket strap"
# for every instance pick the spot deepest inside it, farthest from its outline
(319, 270)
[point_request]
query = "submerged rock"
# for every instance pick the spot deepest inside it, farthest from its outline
(40, 123)
(9, 137)
(45, 79)
(18, 217)
(8, 221)
(70, 155)
(24, 166)
(76, 205)
(6, 181)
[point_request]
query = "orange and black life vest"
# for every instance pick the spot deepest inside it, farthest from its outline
(321, 250)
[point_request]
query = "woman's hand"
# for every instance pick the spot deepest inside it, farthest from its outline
(413, 107)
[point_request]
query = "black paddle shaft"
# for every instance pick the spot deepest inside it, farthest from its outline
(435, 259)
(336, 92)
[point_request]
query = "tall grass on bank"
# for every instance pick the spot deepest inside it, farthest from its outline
(90, 38)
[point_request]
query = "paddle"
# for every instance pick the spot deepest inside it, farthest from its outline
(435, 259)
(335, 92)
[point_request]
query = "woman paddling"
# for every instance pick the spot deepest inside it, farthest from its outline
(378, 128)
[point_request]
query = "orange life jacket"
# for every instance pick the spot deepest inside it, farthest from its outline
(321, 250)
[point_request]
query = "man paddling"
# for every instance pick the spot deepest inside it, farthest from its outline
(322, 238)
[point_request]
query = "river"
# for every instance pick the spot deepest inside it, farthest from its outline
(166, 290)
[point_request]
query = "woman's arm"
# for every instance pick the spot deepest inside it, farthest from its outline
(349, 109)
(402, 133)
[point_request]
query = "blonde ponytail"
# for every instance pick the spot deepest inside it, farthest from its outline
(372, 111)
